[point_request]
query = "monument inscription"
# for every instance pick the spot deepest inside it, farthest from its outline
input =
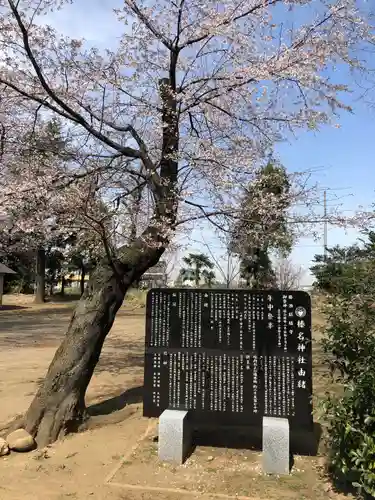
(229, 357)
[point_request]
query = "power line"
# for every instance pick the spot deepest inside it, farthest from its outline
(317, 245)
(325, 219)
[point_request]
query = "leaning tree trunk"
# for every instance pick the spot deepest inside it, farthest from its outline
(59, 405)
(40, 277)
(62, 292)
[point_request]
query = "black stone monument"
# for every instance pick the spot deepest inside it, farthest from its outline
(230, 357)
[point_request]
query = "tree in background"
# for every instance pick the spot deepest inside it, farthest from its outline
(256, 269)
(288, 276)
(337, 269)
(23, 263)
(63, 256)
(32, 214)
(54, 268)
(226, 263)
(82, 254)
(84, 263)
(47, 146)
(198, 266)
(53, 223)
(189, 101)
(209, 277)
(260, 231)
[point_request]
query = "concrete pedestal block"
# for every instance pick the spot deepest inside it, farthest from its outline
(174, 436)
(276, 449)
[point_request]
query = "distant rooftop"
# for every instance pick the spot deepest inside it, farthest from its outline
(5, 270)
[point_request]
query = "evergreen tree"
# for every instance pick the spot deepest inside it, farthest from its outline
(257, 231)
(209, 277)
(198, 266)
(337, 269)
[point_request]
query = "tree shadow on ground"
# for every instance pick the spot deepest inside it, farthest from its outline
(116, 403)
(11, 307)
(128, 310)
(29, 329)
(28, 312)
(44, 328)
(112, 363)
(121, 355)
(58, 299)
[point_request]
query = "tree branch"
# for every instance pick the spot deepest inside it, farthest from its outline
(68, 112)
(179, 20)
(149, 165)
(134, 7)
(229, 21)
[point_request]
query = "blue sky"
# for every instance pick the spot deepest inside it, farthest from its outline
(346, 159)
(91, 19)
(342, 157)
(343, 161)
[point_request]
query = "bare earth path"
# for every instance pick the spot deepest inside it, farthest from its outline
(116, 458)
(28, 339)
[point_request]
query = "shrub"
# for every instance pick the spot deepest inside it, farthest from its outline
(349, 345)
(352, 434)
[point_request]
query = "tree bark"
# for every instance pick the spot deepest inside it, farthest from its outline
(59, 405)
(62, 285)
(82, 283)
(40, 277)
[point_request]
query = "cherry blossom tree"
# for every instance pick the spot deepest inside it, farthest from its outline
(288, 274)
(28, 214)
(39, 217)
(182, 110)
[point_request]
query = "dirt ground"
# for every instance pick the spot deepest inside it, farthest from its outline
(116, 458)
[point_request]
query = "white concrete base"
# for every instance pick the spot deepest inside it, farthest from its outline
(174, 436)
(275, 446)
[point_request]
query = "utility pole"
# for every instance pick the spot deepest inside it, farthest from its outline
(325, 237)
(228, 268)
